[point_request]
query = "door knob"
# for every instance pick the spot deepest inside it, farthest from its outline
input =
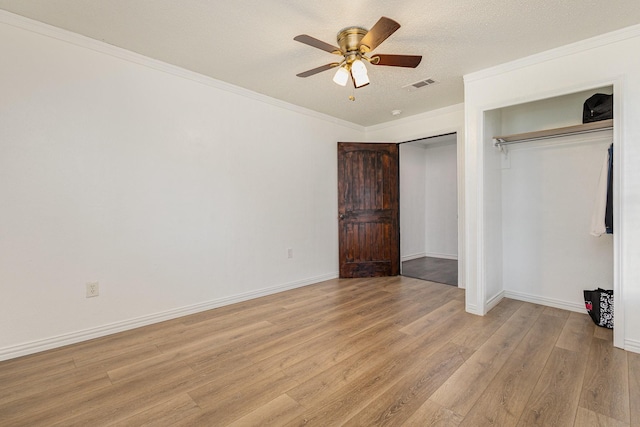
(341, 216)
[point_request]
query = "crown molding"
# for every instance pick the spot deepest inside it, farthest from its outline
(417, 117)
(79, 40)
(559, 52)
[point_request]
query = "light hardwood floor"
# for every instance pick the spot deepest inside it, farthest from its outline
(359, 352)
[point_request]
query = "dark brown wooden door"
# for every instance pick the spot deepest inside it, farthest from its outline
(368, 210)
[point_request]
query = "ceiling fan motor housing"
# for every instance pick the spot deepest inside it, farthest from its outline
(349, 42)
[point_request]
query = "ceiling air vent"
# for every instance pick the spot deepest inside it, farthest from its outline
(419, 84)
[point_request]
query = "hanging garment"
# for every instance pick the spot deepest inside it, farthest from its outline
(608, 215)
(598, 226)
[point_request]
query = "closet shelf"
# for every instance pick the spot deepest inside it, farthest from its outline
(552, 133)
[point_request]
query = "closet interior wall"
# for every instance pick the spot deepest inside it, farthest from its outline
(541, 205)
(429, 198)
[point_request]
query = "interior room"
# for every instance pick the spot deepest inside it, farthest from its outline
(170, 227)
(429, 209)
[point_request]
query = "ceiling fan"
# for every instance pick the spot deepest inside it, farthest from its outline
(355, 43)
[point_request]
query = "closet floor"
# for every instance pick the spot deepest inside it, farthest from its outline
(437, 270)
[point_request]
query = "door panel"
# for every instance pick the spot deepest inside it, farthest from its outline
(368, 208)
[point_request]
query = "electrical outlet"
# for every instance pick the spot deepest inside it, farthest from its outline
(289, 253)
(93, 289)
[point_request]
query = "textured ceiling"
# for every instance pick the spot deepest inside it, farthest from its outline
(249, 43)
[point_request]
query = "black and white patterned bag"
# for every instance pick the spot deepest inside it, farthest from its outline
(599, 304)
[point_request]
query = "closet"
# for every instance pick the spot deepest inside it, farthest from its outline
(542, 169)
(429, 208)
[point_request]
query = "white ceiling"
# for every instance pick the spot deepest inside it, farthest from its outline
(249, 43)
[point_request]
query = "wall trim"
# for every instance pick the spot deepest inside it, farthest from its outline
(428, 254)
(443, 256)
(79, 40)
(413, 256)
(416, 117)
(472, 309)
(112, 328)
(549, 302)
(559, 52)
(494, 300)
(632, 345)
(629, 344)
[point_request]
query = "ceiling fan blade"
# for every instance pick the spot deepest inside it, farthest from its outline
(378, 33)
(318, 69)
(410, 61)
(319, 44)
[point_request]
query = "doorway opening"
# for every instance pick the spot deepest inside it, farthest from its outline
(429, 209)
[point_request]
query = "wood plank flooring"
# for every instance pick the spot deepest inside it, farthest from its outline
(357, 352)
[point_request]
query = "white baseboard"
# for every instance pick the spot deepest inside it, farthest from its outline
(413, 256)
(495, 300)
(492, 302)
(428, 254)
(101, 331)
(87, 334)
(629, 344)
(444, 256)
(632, 345)
(550, 302)
(472, 309)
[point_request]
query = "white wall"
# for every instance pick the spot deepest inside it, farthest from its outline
(441, 211)
(429, 198)
(413, 180)
(592, 63)
(176, 192)
(549, 113)
(492, 252)
(548, 192)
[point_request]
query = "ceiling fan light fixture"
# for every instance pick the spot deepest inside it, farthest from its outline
(360, 80)
(358, 68)
(341, 77)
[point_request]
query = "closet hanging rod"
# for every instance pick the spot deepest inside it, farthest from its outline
(499, 141)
